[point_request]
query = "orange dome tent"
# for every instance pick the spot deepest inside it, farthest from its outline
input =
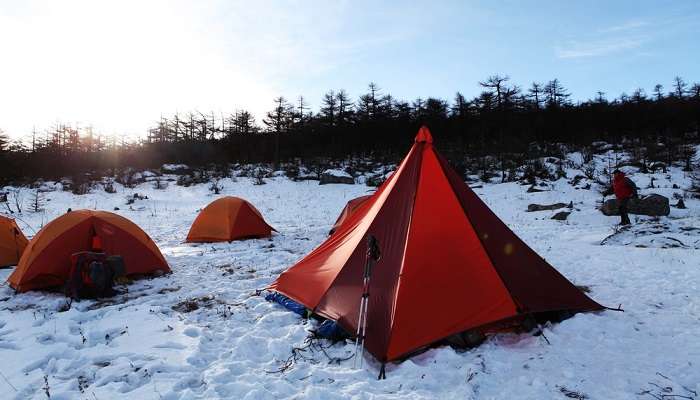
(226, 219)
(348, 211)
(448, 265)
(12, 242)
(46, 261)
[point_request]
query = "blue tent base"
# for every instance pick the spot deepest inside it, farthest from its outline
(330, 330)
(287, 303)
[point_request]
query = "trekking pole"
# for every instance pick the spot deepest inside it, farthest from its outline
(372, 256)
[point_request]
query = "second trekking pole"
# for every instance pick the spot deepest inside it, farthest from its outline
(372, 256)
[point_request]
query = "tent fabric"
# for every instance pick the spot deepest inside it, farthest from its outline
(227, 219)
(46, 261)
(448, 264)
(349, 209)
(12, 242)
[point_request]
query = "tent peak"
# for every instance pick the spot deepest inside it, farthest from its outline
(424, 135)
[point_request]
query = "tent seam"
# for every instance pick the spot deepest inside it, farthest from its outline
(518, 304)
(405, 248)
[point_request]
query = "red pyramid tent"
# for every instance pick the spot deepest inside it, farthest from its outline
(448, 264)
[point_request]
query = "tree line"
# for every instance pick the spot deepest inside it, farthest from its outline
(501, 123)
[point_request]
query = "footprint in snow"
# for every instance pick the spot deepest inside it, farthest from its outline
(191, 332)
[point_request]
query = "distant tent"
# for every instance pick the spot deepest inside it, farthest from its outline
(226, 219)
(348, 210)
(448, 265)
(12, 242)
(46, 261)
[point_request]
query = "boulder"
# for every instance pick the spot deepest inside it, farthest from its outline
(561, 215)
(654, 205)
(336, 176)
(533, 189)
(545, 207)
(177, 169)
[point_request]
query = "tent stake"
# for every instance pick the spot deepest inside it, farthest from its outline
(382, 372)
(619, 308)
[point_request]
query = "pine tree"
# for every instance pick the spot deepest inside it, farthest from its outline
(535, 94)
(345, 107)
(329, 108)
(279, 119)
(37, 201)
(679, 87)
(460, 106)
(638, 96)
(555, 94)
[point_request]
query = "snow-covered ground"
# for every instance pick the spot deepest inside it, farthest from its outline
(201, 332)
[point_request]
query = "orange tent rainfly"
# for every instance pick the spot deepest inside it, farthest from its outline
(448, 265)
(46, 261)
(12, 242)
(226, 219)
(350, 209)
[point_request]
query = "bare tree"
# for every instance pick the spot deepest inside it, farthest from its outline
(496, 84)
(600, 97)
(300, 116)
(16, 198)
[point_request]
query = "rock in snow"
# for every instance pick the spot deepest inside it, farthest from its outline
(654, 205)
(561, 215)
(545, 207)
(336, 176)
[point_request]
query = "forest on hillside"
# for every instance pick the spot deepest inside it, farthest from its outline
(501, 127)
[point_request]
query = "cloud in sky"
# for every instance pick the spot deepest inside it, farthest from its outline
(606, 41)
(627, 26)
(598, 48)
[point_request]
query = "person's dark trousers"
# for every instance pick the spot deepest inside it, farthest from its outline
(624, 218)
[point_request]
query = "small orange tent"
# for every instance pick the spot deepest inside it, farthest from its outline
(12, 242)
(349, 210)
(226, 219)
(448, 265)
(46, 261)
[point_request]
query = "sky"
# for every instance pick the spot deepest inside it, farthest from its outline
(119, 65)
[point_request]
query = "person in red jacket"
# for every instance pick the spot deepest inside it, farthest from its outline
(624, 190)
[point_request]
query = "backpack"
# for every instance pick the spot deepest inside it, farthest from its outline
(92, 275)
(632, 186)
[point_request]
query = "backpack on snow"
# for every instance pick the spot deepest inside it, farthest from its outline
(92, 275)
